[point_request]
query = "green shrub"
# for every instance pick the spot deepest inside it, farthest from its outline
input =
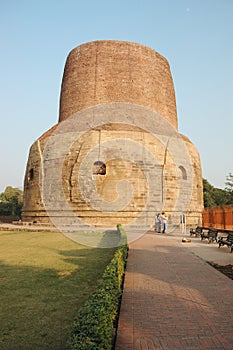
(94, 325)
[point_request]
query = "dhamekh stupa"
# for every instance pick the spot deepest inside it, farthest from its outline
(115, 156)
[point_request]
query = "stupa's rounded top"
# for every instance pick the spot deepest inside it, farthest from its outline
(108, 71)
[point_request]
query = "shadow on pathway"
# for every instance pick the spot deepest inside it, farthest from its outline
(173, 299)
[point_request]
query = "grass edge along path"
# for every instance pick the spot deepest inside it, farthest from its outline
(96, 322)
(44, 280)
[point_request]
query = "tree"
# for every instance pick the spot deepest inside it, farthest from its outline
(229, 183)
(214, 196)
(11, 202)
(208, 194)
(229, 188)
(220, 196)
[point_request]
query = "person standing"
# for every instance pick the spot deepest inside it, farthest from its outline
(158, 222)
(164, 222)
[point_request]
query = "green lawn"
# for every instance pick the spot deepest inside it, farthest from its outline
(44, 279)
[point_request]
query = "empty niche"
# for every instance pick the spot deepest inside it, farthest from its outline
(30, 174)
(99, 168)
(182, 173)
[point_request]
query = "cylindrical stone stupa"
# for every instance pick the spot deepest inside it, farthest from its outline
(115, 155)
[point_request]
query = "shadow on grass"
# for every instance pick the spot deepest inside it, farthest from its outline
(38, 305)
(106, 239)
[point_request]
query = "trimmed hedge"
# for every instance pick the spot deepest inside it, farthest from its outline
(93, 328)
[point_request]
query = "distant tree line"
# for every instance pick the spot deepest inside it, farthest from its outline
(11, 202)
(214, 197)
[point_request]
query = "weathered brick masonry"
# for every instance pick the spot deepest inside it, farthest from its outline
(114, 71)
(137, 82)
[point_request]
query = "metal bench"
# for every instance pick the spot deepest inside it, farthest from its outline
(195, 232)
(226, 240)
(211, 235)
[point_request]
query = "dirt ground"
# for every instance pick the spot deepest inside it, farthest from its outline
(226, 270)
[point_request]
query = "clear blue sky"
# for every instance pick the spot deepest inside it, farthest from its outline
(196, 37)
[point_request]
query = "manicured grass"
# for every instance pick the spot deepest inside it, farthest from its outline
(44, 279)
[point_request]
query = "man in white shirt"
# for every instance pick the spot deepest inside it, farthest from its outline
(164, 222)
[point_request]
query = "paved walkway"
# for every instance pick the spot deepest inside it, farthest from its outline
(173, 299)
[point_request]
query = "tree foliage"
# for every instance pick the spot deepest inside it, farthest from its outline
(216, 196)
(229, 187)
(11, 202)
(229, 183)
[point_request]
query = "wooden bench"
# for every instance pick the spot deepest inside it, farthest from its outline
(196, 232)
(211, 235)
(226, 240)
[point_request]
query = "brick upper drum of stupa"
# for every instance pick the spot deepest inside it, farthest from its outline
(115, 155)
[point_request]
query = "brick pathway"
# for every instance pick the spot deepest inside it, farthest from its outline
(173, 299)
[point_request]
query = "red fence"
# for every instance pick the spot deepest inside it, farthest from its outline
(218, 217)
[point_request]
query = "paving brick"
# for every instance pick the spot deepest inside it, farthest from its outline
(174, 299)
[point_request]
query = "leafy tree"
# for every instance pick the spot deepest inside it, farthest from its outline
(208, 194)
(11, 192)
(214, 196)
(11, 201)
(229, 183)
(220, 196)
(229, 188)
